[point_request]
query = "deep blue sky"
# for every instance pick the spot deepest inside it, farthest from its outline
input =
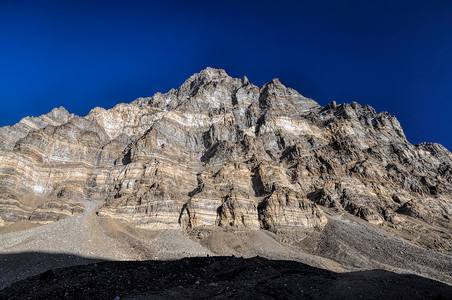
(393, 55)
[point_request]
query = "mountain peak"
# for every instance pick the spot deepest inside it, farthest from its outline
(275, 81)
(210, 74)
(220, 154)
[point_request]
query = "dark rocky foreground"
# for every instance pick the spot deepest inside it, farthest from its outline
(220, 278)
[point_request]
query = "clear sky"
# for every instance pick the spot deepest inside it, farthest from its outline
(393, 55)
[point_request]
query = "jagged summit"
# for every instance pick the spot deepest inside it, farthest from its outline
(218, 155)
(211, 74)
(213, 90)
(206, 76)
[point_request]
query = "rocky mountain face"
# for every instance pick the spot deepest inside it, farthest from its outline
(220, 152)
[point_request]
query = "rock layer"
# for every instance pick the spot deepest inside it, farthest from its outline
(220, 151)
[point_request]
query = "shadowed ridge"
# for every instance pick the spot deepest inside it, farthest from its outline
(17, 266)
(221, 277)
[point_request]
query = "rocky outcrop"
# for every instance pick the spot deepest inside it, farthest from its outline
(220, 151)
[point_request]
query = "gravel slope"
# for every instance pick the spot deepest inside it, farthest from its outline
(345, 244)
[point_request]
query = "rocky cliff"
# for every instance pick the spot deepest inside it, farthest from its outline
(222, 152)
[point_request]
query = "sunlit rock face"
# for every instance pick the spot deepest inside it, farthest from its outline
(220, 151)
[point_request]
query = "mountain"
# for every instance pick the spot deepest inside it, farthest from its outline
(221, 166)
